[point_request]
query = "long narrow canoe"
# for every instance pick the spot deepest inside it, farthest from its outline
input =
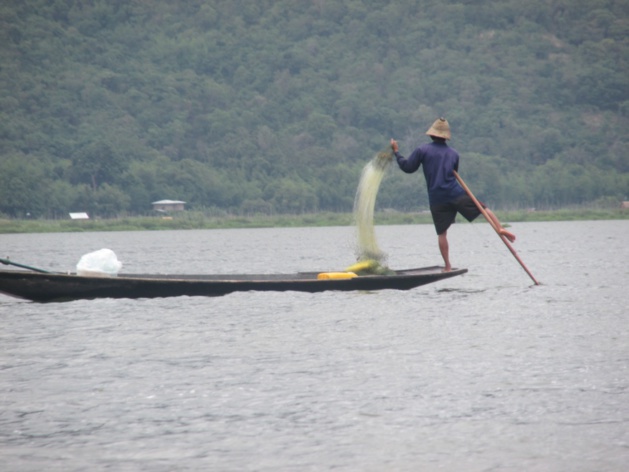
(48, 287)
(53, 286)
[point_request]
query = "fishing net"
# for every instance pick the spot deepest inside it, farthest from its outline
(371, 259)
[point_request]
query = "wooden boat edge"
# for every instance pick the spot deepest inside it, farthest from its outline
(46, 287)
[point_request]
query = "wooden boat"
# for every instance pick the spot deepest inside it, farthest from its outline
(55, 286)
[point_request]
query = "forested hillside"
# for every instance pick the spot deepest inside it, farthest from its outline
(274, 106)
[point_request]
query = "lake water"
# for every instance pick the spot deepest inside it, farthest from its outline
(482, 372)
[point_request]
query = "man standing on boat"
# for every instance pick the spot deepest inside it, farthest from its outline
(445, 194)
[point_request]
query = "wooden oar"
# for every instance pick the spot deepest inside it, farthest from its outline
(8, 262)
(493, 225)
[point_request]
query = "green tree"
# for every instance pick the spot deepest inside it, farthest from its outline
(24, 187)
(96, 163)
(294, 196)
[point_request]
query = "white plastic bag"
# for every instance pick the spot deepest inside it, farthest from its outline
(102, 263)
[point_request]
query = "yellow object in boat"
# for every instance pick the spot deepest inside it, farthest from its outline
(363, 266)
(336, 275)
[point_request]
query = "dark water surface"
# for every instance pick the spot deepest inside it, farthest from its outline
(478, 373)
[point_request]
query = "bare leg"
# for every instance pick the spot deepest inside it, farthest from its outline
(445, 250)
(507, 234)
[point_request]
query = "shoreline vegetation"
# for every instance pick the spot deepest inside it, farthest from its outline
(189, 220)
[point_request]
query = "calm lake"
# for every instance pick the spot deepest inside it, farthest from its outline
(482, 372)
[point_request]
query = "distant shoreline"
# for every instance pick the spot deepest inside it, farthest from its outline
(197, 220)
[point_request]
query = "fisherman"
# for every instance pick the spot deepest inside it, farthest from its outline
(446, 197)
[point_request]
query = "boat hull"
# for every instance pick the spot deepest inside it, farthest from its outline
(47, 287)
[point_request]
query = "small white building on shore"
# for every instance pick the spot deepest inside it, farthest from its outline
(168, 205)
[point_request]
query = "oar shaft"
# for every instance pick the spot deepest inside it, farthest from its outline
(23, 266)
(494, 226)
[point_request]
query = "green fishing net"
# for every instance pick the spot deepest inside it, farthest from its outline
(367, 249)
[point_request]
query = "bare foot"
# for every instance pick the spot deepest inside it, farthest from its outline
(447, 269)
(507, 234)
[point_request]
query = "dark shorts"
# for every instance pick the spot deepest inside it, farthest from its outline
(443, 215)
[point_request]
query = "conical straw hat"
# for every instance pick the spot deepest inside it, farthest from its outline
(440, 128)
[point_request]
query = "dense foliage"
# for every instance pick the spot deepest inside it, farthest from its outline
(274, 106)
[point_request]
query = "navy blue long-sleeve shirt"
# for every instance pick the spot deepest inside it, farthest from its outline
(438, 160)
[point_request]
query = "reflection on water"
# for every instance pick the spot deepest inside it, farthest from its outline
(478, 372)
(459, 290)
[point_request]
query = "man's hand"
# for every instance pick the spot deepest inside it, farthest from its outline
(394, 145)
